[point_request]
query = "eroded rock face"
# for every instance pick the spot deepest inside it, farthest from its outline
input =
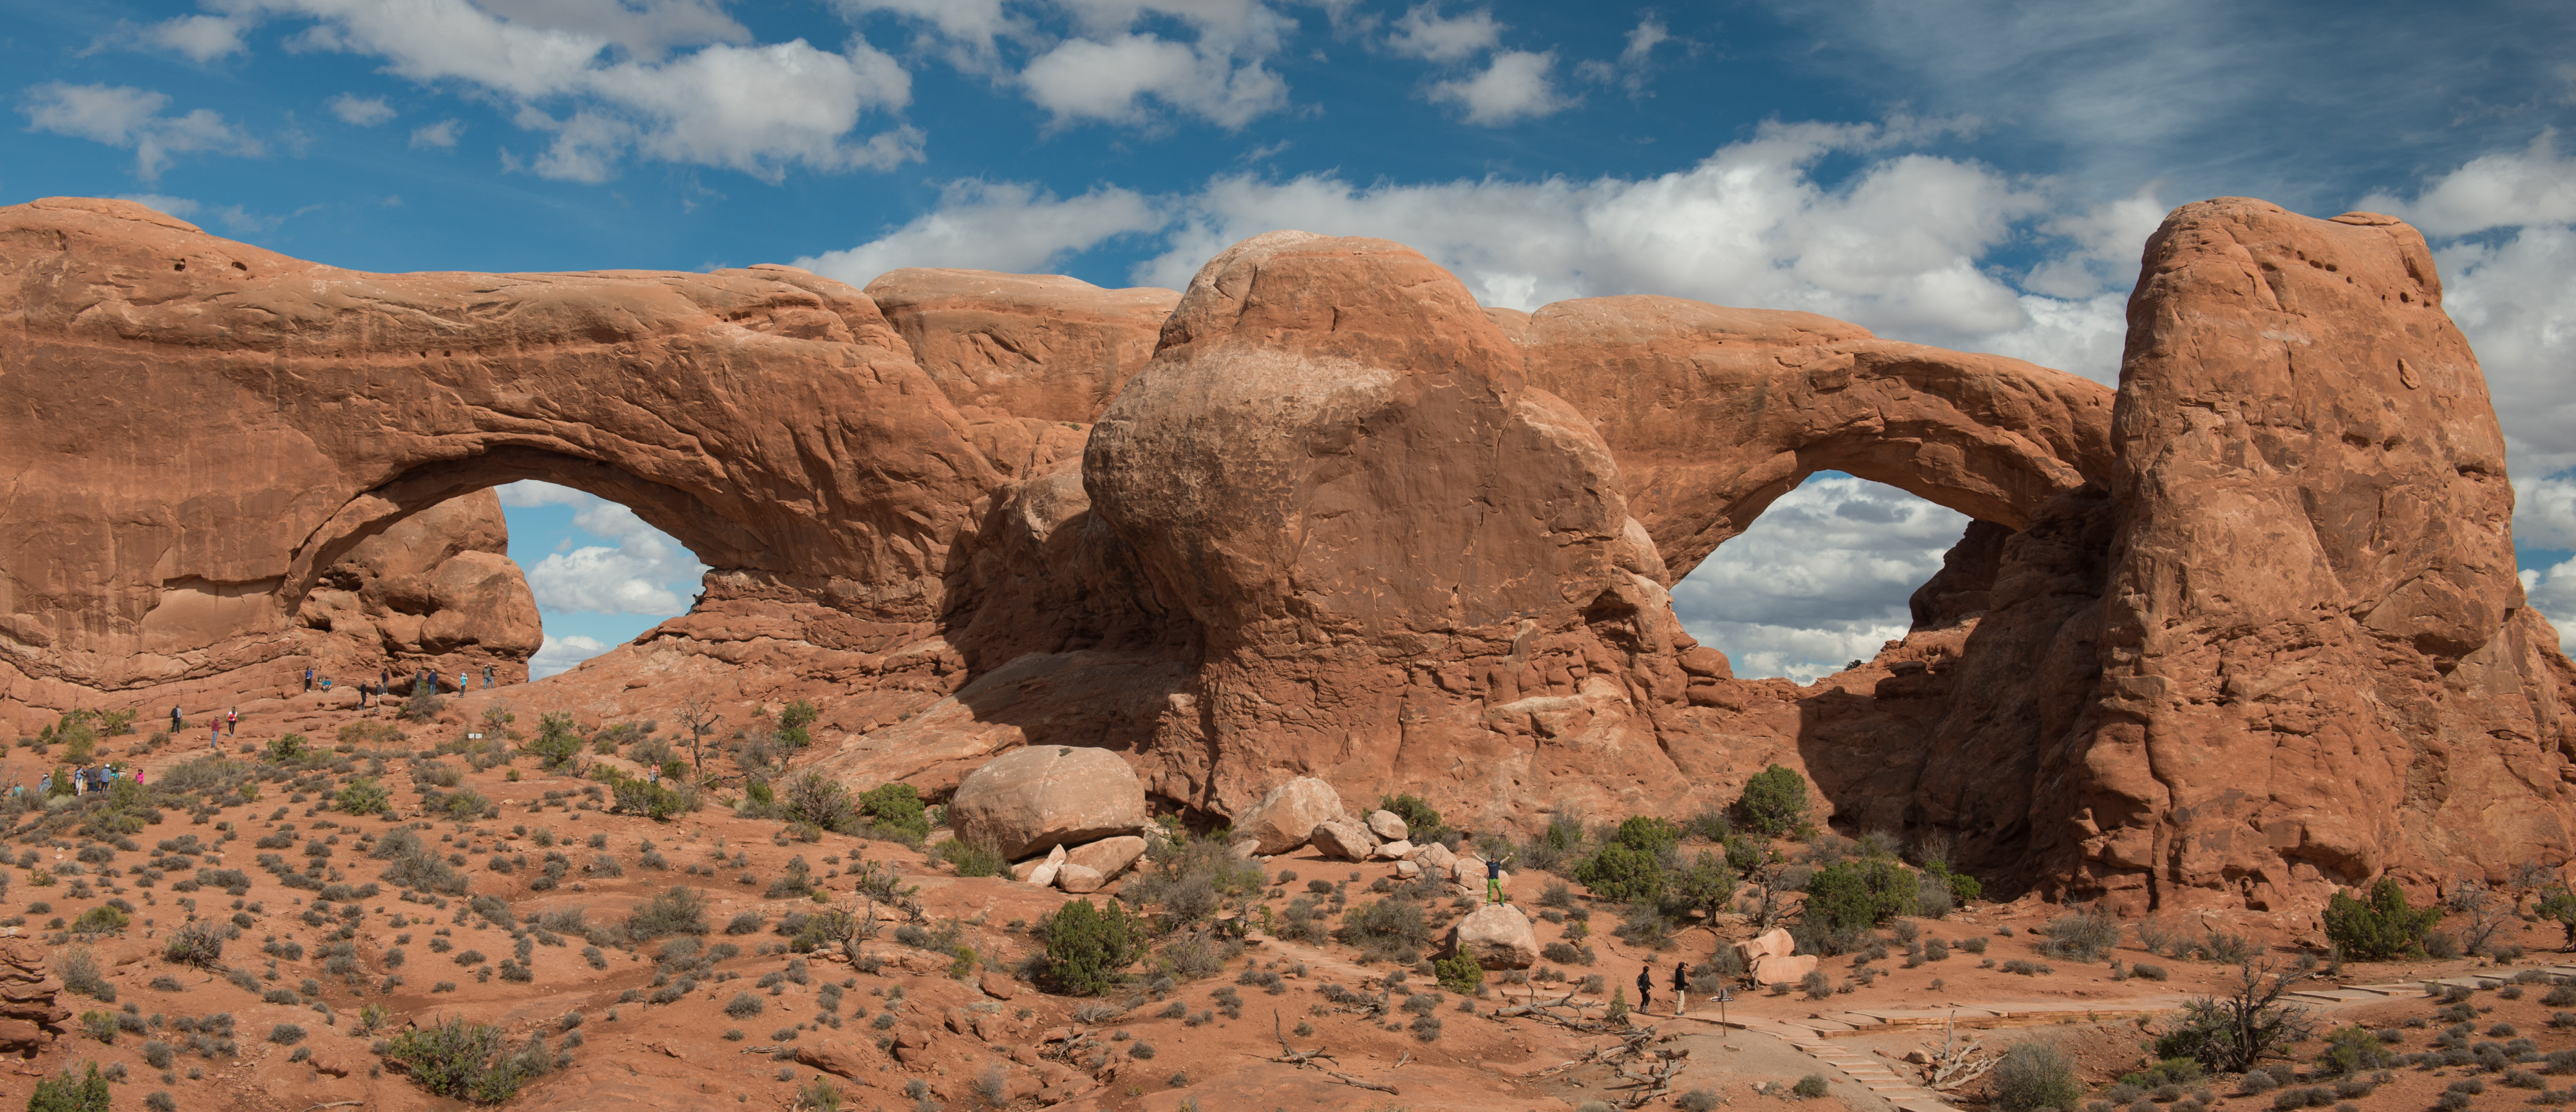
(436, 589)
(2248, 631)
(1041, 346)
(767, 418)
(30, 1015)
(2317, 664)
(1047, 796)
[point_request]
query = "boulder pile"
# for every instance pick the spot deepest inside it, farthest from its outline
(1075, 816)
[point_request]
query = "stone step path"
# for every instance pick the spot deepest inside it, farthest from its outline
(1876, 1075)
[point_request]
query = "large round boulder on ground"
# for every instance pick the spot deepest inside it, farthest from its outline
(1388, 826)
(1344, 839)
(1499, 937)
(1783, 968)
(1036, 798)
(1286, 816)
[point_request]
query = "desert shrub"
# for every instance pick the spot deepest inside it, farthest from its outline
(102, 919)
(1774, 801)
(745, 1005)
(79, 972)
(558, 741)
(2086, 934)
(1810, 1087)
(1393, 929)
(658, 802)
(424, 703)
(65, 1093)
(747, 922)
(821, 800)
(1088, 947)
(2381, 928)
(1647, 834)
(680, 910)
(972, 858)
(1422, 825)
(286, 1034)
(1621, 872)
(1846, 899)
(2229, 1034)
(2351, 1050)
(1190, 876)
(2033, 1076)
(467, 1060)
(200, 943)
(363, 795)
(1459, 973)
(895, 808)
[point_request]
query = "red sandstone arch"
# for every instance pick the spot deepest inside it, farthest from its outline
(187, 413)
(1713, 413)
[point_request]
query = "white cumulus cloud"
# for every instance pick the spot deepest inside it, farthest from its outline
(644, 572)
(1515, 85)
(124, 116)
(1003, 226)
(1821, 579)
(1422, 32)
(673, 80)
(560, 654)
(362, 111)
(441, 135)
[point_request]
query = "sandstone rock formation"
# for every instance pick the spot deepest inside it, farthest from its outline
(1109, 857)
(1387, 825)
(1783, 968)
(1042, 797)
(1773, 943)
(436, 590)
(29, 1015)
(1498, 937)
(1343, 839)
(2240, 633)
(1288, 814)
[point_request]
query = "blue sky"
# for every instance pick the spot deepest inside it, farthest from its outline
(1978, 175)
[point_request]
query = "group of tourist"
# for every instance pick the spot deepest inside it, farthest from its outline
(83, 780)
(384, 682)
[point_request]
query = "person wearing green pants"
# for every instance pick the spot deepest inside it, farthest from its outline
(1494, 880)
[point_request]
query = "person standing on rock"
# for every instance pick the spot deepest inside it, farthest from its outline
(214, 735)
(487, 677)
(175, 725)
(1645, 988)
(232, 721)
(308, 679)
(1681, 987)
(460, 683)
(1494, 878)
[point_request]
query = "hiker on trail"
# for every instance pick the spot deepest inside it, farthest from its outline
(308, 679)
(214, 734)
(487, 677)
(384, 679)
(174, 719)
(80, 781)
(232, 721)
(460, 684)
(1681, 986)
(44, 785)
(653, 775)
(138, 776)
(1645, 987)
(1494, 878)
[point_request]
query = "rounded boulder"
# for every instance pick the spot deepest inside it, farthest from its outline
(1498, 936)
(1034, 799)
(1288, 815)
